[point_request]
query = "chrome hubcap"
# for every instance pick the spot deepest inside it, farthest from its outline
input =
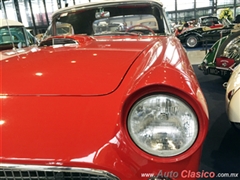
(232, 49)
(192, 41)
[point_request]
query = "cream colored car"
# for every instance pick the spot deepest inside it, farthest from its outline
(233, 97)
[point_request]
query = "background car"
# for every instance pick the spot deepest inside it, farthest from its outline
(233, 98)
(13, 33)
(62, 29)
(102, 104)
(193, 37)
(222, 57)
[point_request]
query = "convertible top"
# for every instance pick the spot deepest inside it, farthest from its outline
(7, 22)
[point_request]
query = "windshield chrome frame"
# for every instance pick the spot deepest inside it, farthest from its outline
(75, 8)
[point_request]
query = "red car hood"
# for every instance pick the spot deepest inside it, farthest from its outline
(94, 67)
(86, 131)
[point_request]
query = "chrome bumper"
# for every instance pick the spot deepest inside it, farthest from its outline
(23, 172)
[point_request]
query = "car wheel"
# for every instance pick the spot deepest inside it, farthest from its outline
(192, 41)
(230, 47)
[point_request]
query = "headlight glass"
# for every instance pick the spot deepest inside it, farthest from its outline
(162, 125)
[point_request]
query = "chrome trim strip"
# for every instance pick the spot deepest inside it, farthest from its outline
(25, 167)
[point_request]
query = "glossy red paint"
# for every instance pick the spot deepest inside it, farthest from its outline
(216, 26)
(46, 70)
(73, 113)
(224, 62)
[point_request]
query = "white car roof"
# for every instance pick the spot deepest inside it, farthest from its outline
(7, 22)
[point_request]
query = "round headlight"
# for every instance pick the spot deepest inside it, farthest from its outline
(162, 125)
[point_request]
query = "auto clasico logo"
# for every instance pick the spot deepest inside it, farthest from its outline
(187, 174)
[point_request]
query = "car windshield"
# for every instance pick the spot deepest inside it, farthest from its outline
(17, 36)
(110, 19)
(210, 20)
(226, 22)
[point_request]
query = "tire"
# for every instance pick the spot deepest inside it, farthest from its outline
(191, 41)
(230, 47)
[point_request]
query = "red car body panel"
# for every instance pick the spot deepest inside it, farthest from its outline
(216, 26)
(73, 113)
(46, 70)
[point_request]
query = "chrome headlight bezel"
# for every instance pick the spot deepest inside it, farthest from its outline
(146, 136)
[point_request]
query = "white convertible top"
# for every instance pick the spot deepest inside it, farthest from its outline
(7, 22)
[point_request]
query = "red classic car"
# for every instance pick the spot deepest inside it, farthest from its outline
(102, 103)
